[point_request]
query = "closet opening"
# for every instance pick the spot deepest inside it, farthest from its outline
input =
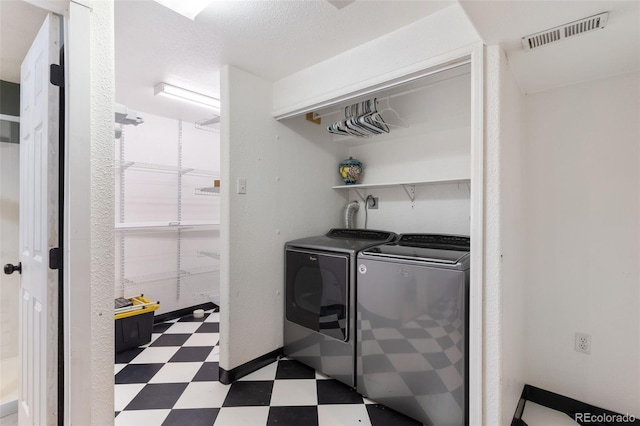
(419, 140)
(167, 221)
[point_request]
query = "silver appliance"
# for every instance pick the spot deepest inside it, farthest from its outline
(412, 310)
(319, 326)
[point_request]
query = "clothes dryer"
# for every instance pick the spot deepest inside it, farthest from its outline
(319, 326)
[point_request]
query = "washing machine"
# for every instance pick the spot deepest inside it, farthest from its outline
(412, 316)
(320, 272)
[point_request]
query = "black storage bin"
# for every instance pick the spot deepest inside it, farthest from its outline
(133, 331)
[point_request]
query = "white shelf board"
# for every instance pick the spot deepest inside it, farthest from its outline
(134, 165)
(208, 190)
(172, 275)
(165, 226)
(399, 184)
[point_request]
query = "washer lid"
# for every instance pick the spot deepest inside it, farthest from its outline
(441, 241)
(432, 255)
(433, 248)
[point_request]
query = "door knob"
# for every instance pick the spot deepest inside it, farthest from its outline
(10, 269)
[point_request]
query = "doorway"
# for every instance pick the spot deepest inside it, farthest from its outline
(20, 23)
(167, 215)
(9, 284)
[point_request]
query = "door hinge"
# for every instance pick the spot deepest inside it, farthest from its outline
(56, 75)
(55, 258)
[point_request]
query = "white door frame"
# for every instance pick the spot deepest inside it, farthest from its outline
(89, 213)
(88, 329)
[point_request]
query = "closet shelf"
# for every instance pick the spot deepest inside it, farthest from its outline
(399, 184)
(134, 165)
(184, 225)
(163, 276)
(409, 187)
(209, 190)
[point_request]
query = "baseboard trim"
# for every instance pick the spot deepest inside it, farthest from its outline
(580, 412)
(8, 408)
(182, 312)
(229, 376)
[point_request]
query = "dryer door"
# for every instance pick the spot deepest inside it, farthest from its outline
(317, 285)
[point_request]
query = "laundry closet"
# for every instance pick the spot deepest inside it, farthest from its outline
(351, 300)
(426, 174)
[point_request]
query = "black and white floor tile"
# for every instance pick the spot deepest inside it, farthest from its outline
(174, 381)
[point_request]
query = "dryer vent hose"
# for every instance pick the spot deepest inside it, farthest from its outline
(349, 212)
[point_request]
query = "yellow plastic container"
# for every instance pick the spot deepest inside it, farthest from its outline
(134, 324)
(141, 305)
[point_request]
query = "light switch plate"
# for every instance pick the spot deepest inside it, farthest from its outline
(242, 186)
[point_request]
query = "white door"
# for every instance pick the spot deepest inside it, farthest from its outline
(39, 112)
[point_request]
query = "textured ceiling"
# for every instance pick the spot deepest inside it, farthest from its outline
(275, 38)
(19, 24)
(603, 53)
(271, 39)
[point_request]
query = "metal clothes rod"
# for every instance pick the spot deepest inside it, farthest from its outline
(395, 95)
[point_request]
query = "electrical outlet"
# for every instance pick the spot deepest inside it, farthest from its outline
(583, 343)
(372, 203)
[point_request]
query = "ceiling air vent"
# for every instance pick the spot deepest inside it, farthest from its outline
(562, 32)
(339, 4)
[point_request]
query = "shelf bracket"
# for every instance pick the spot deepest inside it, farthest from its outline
(313, 117)
(411, 193)
(208, 254)
(126, 165)
(185, 171)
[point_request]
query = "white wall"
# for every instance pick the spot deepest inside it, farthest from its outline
(504, 241)
(288, 196)
(151, 257)
(9, 253)
(582, 188)
(512, 231)
(399, 53)
(89, 263)
(439, 208)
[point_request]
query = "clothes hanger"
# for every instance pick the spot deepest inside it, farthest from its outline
(358, 111)
(400, 119)
(333, 128)
(375, 118)
(365, 119)
(350, 112)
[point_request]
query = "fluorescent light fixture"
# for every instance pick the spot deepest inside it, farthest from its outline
(186, 8)
(185, 95)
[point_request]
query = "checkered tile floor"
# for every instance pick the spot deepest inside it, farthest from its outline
(174, 381)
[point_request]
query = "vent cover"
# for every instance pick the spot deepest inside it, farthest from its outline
(571, 29)
(339, 4)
